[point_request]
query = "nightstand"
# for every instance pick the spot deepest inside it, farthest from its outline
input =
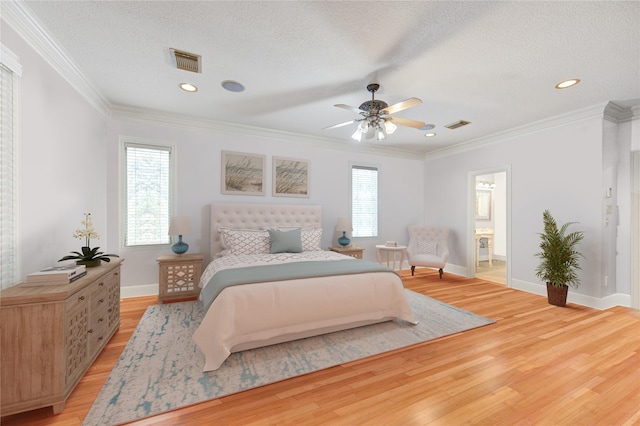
(349, 251)
(179, 276)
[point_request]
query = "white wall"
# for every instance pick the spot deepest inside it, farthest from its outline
(199, 158)
(559, 169)
(62, 167)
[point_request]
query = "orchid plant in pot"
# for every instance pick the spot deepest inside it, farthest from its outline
(88, 256)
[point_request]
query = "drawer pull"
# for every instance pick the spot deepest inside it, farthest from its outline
(101, 301)
(101, 283)
(81, 298)
(100, 338)
(90, 330)
(110, 310)
(101, 319)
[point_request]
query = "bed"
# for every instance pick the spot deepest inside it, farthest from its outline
(255, 298)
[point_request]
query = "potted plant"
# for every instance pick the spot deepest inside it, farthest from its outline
(89, 256)
(559, 259)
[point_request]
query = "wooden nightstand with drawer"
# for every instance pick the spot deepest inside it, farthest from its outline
(179, 276)
(349, 251)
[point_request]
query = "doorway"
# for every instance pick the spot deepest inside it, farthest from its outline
(489, 226)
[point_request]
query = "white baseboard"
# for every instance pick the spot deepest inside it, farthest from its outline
(139, 290)
(617, 299)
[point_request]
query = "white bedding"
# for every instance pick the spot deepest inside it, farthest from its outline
(254, 315)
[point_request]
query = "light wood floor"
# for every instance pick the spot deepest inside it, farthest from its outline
(538, 365)
(496, 273)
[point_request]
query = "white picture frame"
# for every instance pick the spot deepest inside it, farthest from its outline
(290, 177)
(243, 173)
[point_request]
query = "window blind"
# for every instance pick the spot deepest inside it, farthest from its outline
(8, 192)
(364, 201)
(148, 178)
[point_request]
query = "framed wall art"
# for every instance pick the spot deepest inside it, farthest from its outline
(242, 173)
(290, 177)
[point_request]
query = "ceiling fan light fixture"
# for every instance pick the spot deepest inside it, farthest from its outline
(357, 135)
(363, 127)
(389, 127)
(380, 134)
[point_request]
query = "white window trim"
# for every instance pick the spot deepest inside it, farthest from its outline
(12, 62)
(378, 167)
(124, 140)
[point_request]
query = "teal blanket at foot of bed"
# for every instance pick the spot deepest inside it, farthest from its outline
(283, 272)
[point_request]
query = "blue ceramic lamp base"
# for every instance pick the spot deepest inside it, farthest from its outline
(180, 247)
(344, 241)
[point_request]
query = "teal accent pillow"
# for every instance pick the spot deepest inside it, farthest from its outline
(286, 241)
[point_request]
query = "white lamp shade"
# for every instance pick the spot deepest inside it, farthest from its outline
(344, 224)
(180, 225)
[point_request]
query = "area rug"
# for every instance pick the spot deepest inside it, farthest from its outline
(160, 369)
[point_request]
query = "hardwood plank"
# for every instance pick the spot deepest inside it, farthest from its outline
(539, 364)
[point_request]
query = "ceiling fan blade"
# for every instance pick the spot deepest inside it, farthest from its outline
(350, 108)
(406, 122)
(401, 106)
(340, 125)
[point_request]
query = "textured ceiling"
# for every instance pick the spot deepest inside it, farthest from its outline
(494, 64)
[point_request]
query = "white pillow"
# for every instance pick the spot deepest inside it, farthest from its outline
(245, 241)
(311, 239)
(427, 247)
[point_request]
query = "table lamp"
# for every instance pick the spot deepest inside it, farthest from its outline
(180, 225)
(344, 225)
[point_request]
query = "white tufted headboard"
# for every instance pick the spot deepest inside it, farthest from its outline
(260, 216)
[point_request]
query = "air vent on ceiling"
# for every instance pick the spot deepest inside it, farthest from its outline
(457, 124)
(186, 61)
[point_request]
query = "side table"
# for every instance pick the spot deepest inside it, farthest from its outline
(179, 276)
(349, 251)
(391, 255)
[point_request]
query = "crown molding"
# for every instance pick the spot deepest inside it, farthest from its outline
(589, 113)
(619, 114)
(616, 113)
(181, 121)
(19, 17)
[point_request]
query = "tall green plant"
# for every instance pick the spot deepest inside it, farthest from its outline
(559, 257)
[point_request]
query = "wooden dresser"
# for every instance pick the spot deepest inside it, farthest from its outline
(52, 334)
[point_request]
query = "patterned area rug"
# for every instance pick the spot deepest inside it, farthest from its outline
(160, 369)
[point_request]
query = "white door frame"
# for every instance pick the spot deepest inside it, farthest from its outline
(635, 229)
(471, 219)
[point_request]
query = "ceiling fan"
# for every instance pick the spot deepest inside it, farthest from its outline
(376, 117)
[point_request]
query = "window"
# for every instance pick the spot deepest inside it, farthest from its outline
(148, 185)
(364, 201)
(10, 70)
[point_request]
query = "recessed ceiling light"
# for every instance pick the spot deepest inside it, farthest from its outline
(188, 87)
(429, 135)
(567, 83)
(232, 86)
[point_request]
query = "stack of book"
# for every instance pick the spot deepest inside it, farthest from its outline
(56, 275)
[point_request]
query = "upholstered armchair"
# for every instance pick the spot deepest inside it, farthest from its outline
(428, 246)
